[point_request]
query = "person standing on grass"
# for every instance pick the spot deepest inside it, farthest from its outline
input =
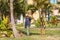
(27, 23)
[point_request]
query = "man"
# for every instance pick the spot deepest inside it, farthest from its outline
(27, 23)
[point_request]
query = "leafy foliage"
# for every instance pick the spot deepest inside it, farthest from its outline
(5, 28)
(37, 23)
(4, 7)
(4, 23)
(18, 7)
(54, 20)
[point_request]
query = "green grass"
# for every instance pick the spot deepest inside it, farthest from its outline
(53, 26)
(22, 38)
(35, 35)
(37, 32)
(53, 32)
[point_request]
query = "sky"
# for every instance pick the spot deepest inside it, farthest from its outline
(53, 1)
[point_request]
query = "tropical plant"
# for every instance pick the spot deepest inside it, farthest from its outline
(42, 6)
(4, 23)
(5, 29)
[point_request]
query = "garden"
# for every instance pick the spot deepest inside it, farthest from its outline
(45, 25)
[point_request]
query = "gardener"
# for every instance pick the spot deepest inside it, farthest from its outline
(27, 23)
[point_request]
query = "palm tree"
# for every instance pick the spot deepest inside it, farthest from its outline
(42, 6)
(15, 32)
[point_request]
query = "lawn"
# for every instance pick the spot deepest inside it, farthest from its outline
(37, 32)
(35, 35)
(53, 26)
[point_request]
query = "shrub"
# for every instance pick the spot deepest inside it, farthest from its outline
(5, 28)
(19, 25)
(53, 20)
(4, 23)
(37, 23)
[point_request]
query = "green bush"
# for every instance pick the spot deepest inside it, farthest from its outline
(9, 33)
(37, 23)
(19, 25)
(5, 32)
(3, 26)
(53, 20)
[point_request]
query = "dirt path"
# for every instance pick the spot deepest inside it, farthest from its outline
(46, 37)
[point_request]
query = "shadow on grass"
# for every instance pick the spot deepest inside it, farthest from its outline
(37, 32)
(31, 33)
(34, 34)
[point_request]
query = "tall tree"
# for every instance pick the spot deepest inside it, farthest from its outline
(42, 7)
(5, 7)
(15, 32)
(0, 9)
(19, 7)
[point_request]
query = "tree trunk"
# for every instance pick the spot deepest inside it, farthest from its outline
(42, 19)
(15, 32)
(0, 16)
